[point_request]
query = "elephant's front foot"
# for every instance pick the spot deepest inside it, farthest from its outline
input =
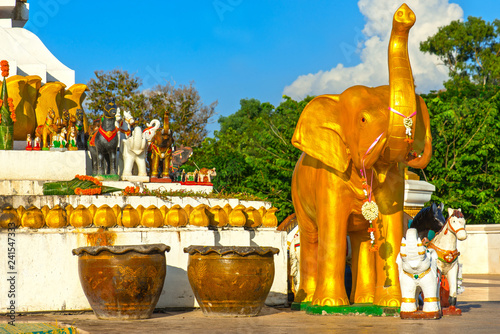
(331, 297)
(365, 297)
(390, 296)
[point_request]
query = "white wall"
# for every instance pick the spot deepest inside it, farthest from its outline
(47, 272)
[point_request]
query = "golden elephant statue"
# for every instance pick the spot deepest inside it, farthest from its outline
(355, 147)
(33, 101)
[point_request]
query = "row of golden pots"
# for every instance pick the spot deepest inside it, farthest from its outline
(128, 216)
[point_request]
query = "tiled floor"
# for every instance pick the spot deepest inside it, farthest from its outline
(480, 304)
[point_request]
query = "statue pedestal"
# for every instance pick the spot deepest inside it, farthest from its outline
(417, 193)
(43, 165)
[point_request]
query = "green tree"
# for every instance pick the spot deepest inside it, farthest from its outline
(465, 120)
(253, 152)
(188, 115)
(469, 49)
(465, 167)
(121, 85)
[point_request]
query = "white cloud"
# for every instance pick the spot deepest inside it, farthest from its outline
(373, 70)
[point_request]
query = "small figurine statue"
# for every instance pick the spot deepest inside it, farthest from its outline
(72, 139)
(418, 272)
(36, 145)
(29, 146)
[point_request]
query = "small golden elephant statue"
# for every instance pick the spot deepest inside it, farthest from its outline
(355, 147)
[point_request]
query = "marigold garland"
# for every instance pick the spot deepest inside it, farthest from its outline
(89, 178)
(5, 68)
(130, 191)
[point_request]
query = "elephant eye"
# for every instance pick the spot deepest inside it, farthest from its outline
(363, 120)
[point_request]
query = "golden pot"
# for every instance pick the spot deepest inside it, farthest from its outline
(230, 281)
(9, 217)
(33, 218)
(122, 282)
(176, 217)
(152, 217)
(56, 217)
(130, 217)
(81, 217)
(104, 216)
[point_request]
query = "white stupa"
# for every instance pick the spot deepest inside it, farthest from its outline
(25, 52)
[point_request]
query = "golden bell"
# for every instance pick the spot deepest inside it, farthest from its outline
(129, 217)
(8, 215)
(81, 217)
(33, 218)
(254, 219)
(238, 216)
(57, 217)
(152, 217)
(198, 216)
(176, 216)
(218, 217)
(105, 217)
(269, 219)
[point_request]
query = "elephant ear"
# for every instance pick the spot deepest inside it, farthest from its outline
(319, 133)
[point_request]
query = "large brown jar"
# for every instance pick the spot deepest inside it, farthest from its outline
(231, 281)
(122, 282)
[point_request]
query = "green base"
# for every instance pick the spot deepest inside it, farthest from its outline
(355, 309)
(108, 177)
(300, 306)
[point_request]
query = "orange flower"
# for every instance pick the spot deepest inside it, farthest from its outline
(5, 68)
(373, 248)
(13, 116)
(1, 103)
(78, 191)
(409, 140)
(371, 229)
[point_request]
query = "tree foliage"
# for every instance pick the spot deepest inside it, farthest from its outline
(188, 115)
(465, 120)
(253, 153)
(465, 167)
(469, 49)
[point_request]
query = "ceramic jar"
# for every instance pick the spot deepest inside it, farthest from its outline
(122, 282)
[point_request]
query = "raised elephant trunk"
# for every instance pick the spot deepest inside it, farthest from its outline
(402, 95)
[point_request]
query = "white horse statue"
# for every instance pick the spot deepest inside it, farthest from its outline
(418, 272)
(445, 244)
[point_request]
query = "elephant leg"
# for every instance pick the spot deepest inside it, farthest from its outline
(128, 164)
(166, 166)
(363, 268)
(308, 264)
(389, 197)
(332, 245)
(408, 292)
(154, 165)
(140, 160)
(430, 288)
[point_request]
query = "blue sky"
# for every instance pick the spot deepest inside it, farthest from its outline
(234, 49)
